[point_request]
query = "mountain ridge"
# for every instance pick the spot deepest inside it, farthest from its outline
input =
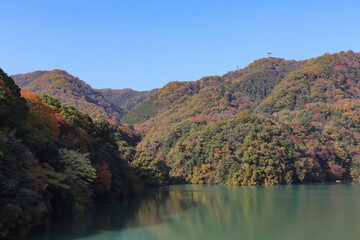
(297, 104)
(70, 90)
(274, 122)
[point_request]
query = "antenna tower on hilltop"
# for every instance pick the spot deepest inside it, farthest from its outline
(269, 53)
(236, 72)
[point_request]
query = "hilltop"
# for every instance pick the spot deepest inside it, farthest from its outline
(69, 90)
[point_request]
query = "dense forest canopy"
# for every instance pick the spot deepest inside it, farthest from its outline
(273, 122)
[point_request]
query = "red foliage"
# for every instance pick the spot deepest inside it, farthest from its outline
(336, 171)
(296, 139)
(273, 72)
(149, 127)
(340, 68)
(327, 153)
(103, 178)
(202, 118)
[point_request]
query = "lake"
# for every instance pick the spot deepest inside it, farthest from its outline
(205, 212)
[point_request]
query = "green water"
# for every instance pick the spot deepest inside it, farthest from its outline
(316, 211)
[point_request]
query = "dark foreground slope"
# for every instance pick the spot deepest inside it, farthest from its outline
(56, 160)
(69, 90)
(274, 122)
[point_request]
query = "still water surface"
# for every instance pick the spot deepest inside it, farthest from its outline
(294, 212)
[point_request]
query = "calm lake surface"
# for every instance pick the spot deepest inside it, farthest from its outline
(314, 211)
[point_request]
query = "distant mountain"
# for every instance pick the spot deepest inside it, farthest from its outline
(126, 99)
(69, 90)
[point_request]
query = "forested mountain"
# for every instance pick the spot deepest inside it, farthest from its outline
(56, 160)
(69, 90)
(273, 122)
(127, 98)
(235, 90)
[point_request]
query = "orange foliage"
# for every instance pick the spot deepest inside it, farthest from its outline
(202, 118)
(46, 113)
(340, 68)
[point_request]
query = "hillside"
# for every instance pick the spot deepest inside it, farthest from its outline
(69, 90)
(251, 84)
(126, 99)
(273, 122)
(57, 161)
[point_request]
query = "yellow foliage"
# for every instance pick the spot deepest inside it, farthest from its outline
(341, 152)
(197, 176)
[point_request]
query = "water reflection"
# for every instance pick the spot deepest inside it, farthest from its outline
(318, 211)
(152, 207)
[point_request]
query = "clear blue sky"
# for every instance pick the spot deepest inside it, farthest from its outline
(145, 44)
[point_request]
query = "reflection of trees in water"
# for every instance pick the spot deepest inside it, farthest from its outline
(221, 213)
(150, 208)
(153, 208)
(273, 212)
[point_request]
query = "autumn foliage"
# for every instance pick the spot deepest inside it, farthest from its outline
(103, 178)
(56, 160)
(45, 111)
(273, 122)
